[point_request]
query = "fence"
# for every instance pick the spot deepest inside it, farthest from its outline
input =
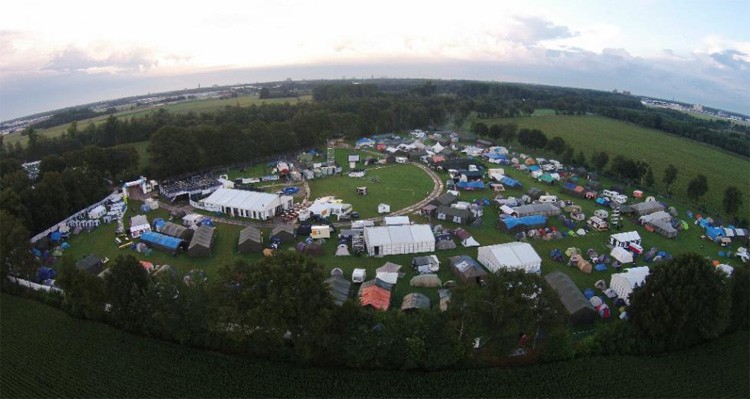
(75, 216)
(34, 286)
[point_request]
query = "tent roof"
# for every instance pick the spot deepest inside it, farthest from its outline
(415, 300)
(533, 220)
(138, 220)
(389, 267)
(626, 236)
(537, 209)
(570, 296)
(250, 233)
(175, 230)
(393, 235)
(647, 207)
(425, 280)
(467, 266)
(252, 200)
(396, 220)
(622, 255)
(446, 199)
(634, 275)
(514, 254)
(203, 237)
(161, 240)
(89, 263)
(282, 229)
(339, 288)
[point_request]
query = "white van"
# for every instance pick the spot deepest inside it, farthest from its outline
(548, 199)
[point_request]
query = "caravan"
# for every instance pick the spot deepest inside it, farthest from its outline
(548, 199)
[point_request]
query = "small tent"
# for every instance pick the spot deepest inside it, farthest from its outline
(342, 250)
(415, 301)
(621, 255)
(202, 243)
(284, 233)
(250, 240)
(426, 280)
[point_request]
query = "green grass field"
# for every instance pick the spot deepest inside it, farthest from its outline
(45, 353)
(197, 106)
(594, 133)
(399, 186)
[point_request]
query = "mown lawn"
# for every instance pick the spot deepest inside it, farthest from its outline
(592, 134)
(396, 185)
(45, 353)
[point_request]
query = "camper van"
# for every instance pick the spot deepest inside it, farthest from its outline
(615, 196)
(548, 199)
(597, 223)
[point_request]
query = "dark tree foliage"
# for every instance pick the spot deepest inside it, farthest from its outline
(479, 128)
(697, 187)
(670, 175)
(15, 249)
(740, 314)
(732, 201)
(557, 145)
(125, 288)
(512, 304)
(84, 292)
(683, 301)
(532, 138)
(260, 303)
(599, 160)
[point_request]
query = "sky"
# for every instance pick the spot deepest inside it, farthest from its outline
(56, 54)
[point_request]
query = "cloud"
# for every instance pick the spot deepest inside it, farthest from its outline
(75, 59)
(529, 31)
(733, 59)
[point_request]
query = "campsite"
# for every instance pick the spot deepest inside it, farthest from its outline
(393, 229)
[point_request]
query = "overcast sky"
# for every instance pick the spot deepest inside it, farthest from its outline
(62, 53)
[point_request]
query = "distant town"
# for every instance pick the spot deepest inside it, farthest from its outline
(131, 103)
(695, 109)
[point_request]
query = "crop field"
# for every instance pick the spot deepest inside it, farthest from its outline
(196, 106)
(48, 354)
(594, 133)
(396, 185)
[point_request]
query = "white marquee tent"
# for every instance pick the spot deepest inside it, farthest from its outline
(624, 283)
(249, 204)
(625, 239)
(396, 240)
(512, 255)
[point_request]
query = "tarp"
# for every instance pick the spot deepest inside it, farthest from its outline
(514, 224)
(426, 280)
(470, 185)
(161, 241)
(510, 182)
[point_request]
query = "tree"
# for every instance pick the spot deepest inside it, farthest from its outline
(479, 129)
(15, 249)
(556, 145)
(84, 294)
(125, 287)
(670, 175)
(600, 160)
(740, 315)
(568, 156)
(580, 159)
(649, 179)
(697, 187)
(495, 132)
(513, 303)
(683, 301)
(732, 201)
(278, 296)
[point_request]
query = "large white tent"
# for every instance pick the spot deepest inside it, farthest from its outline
(249, 204)
(512, 255)
(396, 240)
(624, 283)
(625, 239)
(622, 255)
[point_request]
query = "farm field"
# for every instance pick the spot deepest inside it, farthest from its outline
(48, 354)
(197, 106)
(594, 133)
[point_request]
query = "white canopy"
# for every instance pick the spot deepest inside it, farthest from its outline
(512, 255)
(394, 240)
(623, 283)
(623, 239)
(622, 255)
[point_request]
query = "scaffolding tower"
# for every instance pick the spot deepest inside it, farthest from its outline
(331, 156)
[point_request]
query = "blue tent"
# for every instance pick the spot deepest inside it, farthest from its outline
(704, 223)
(495, 155)
(159, 223)
(714, 232)
(145, 208)
(207, 222)
(600, 267)
(602, 201)
(54, 236)
(526, 222)
(470, 185)
(65, 245)
(569, 186)
(45, 273)
(365, 141)
(510, 182)
(588, 293)
(534, 168)
(161, 241)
